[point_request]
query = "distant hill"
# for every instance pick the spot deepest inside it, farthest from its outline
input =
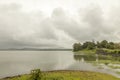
(36, 49)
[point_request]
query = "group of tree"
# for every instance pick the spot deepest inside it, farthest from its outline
(90, 45)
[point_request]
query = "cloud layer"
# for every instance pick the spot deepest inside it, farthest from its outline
(59, 30)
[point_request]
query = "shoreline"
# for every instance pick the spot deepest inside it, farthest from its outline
(60, 71)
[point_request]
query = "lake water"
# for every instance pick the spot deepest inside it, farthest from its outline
(21, 62)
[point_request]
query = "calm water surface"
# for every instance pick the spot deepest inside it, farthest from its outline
(21, 62)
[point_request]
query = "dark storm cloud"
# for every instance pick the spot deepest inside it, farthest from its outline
(21, 30)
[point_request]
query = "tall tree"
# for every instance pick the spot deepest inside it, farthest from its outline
(110, 45)
(88, 45)
(104, 43)
(76, 47)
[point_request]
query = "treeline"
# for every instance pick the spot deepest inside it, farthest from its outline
(90, 45)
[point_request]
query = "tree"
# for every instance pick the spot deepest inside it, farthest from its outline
(98, 44)
(88, 45)
(117, 45)
(84, 46)
(104, 44)
(110, 45)
(76, 47)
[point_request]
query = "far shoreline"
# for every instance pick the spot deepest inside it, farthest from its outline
(35, 49)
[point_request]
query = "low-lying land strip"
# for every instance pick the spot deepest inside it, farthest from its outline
(63, 75)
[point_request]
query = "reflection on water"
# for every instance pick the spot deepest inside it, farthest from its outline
(21, 62)
(85, 57)
(101, 61)
(95, 57)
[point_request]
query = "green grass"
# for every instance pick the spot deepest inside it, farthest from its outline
(68, 75)
(109, 50)
(86, 51)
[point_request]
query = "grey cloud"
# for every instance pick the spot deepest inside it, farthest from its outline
(21, 30)
(97, 26)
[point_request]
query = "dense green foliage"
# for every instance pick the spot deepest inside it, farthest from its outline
(109, 52)
(93, 45)
(68, 75)
(86, 45)
(77, 47)
(35, 75)
(104, 47)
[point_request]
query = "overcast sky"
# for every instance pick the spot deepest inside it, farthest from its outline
(57, 23)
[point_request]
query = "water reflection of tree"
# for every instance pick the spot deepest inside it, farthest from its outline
(94, 58)
(86, 57)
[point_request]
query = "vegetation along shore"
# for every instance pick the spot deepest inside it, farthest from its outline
(62, 75)
(102, 48)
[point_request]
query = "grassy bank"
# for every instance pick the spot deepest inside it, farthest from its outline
(93, 51)
(68, 75)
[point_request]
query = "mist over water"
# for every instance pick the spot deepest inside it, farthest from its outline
(21, 62)
(18, 62)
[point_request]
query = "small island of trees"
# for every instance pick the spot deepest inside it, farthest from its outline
(104, 47)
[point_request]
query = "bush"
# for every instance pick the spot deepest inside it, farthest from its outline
(36, 74)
